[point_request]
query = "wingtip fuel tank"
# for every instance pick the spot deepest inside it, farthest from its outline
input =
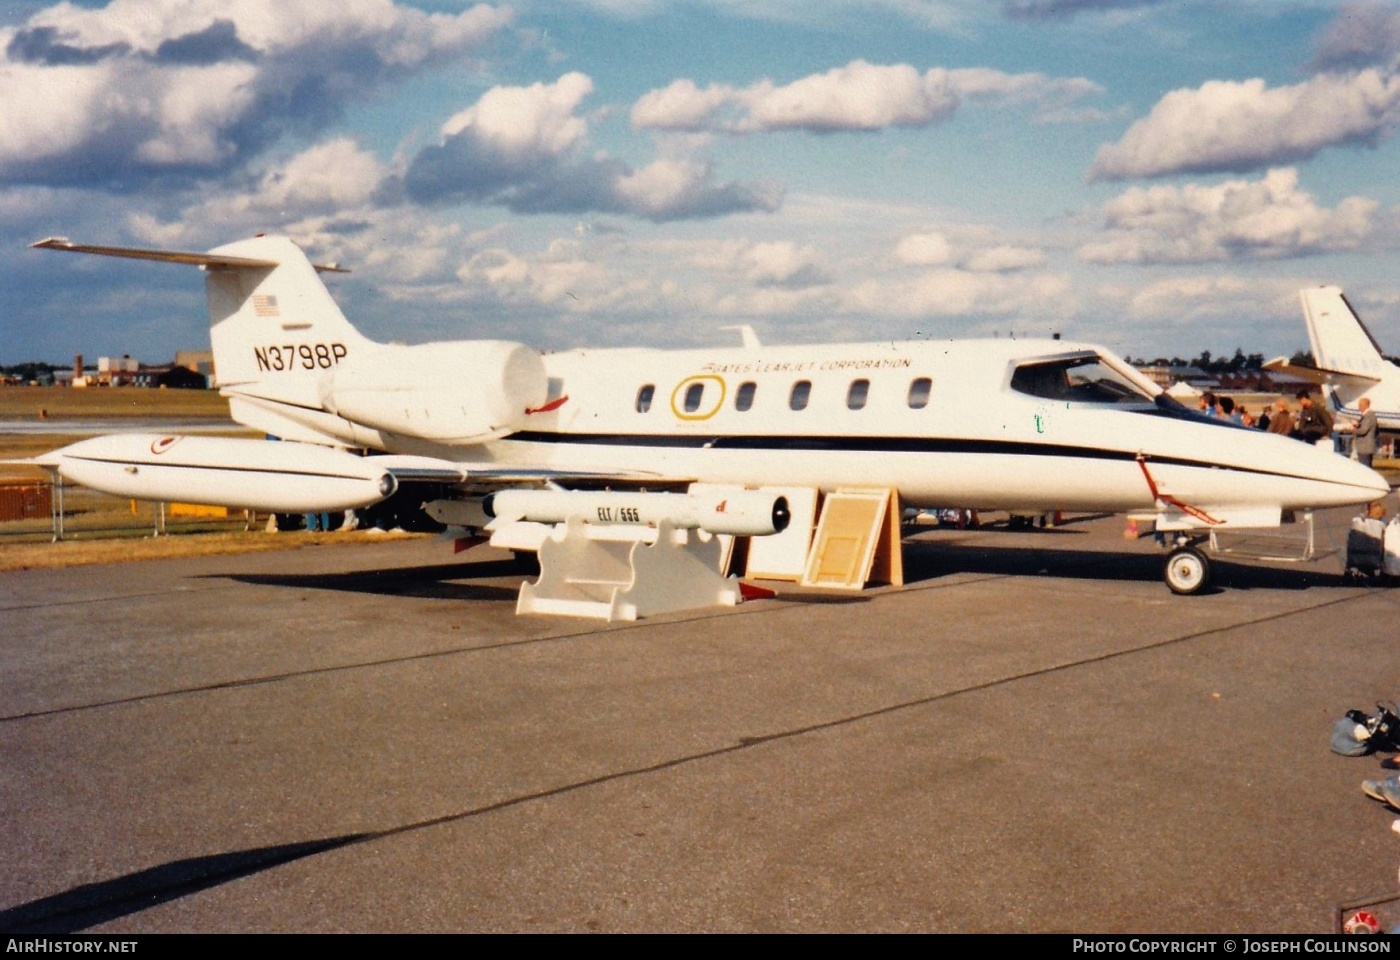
(232, 472)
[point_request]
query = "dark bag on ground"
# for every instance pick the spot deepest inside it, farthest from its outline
(1356, 735)
(1366, 547)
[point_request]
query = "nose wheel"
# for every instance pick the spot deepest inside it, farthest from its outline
(1187, 571)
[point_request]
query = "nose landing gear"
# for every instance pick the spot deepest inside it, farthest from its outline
(1187, 570)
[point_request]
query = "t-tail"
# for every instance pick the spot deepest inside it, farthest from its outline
(275, 331)
(1348, 361)
(1340, 341)
(294, 367)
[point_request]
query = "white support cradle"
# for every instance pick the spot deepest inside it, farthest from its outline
(623, 573)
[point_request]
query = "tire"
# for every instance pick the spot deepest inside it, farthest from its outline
(1187, 571)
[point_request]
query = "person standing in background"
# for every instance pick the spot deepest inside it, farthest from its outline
(1364, 436)
(1314, 422)
(1281, 420)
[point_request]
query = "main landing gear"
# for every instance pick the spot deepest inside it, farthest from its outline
(1187, 570)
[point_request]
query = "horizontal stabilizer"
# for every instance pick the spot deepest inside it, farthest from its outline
(1319, 375)
(209, 261)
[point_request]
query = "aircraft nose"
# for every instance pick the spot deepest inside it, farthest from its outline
(1342, 481)
(1366, 478)
(1380, 484)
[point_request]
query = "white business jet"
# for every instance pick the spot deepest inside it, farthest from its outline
(1349, 361)
(1028, 426)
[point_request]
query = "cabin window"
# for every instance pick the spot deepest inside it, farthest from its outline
(743, 400)
(801, 393)
(857, 394)
(919, 390)
(693, 393)
(644, 396)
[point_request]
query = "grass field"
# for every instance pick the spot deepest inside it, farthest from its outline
(115, 404)
(134, 546)
(106, 529)
(25, 403)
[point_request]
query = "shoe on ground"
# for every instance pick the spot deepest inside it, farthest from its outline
(1386, 791)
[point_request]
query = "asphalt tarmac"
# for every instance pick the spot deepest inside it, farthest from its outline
(1032, 735)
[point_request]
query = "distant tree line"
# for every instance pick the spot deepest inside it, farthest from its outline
(36, 371)
(1241, 362)
(33, 370)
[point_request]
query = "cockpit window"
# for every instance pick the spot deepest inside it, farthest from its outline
(1084, 379)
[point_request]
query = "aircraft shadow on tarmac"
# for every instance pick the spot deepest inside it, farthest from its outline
(931, 560)
(95, 903)
(1011, 525)
(923, 560)
(448, 581)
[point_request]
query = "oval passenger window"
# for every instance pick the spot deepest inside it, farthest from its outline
(801, 392)
(743, 400)
(693, 393)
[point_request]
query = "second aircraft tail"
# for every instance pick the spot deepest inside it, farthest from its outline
(1340, 341)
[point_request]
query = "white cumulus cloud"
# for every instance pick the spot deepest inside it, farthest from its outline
(1364, 34)
(933, 249)
(523, 148)
(923, 250)
(1003, 258)
(527, 122)
(681, 106)
(139, 89)
(765, 263)
(1270, 218)
(948, 292)
(336, 177)
(857, 96)
(1228, 125)
(1187, 300)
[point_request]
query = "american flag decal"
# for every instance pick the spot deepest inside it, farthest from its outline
(265, 306)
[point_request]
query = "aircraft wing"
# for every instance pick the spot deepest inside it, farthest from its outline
(1319, 375)
(282, 477)
(410, 469)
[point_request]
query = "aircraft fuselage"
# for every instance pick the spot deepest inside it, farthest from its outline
(945, 423)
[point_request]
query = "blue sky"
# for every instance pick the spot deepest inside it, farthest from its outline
(1159, 177)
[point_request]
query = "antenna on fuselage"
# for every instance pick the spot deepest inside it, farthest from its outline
(746, 334)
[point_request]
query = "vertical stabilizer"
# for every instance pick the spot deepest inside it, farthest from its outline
(275, 331)
(1340, 341)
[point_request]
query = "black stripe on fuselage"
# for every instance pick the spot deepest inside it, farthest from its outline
(224, 469)
(844, 444)
(858, 444)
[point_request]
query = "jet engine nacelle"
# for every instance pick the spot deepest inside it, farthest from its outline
(254, 474)
(744, 513)
(465, 392)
